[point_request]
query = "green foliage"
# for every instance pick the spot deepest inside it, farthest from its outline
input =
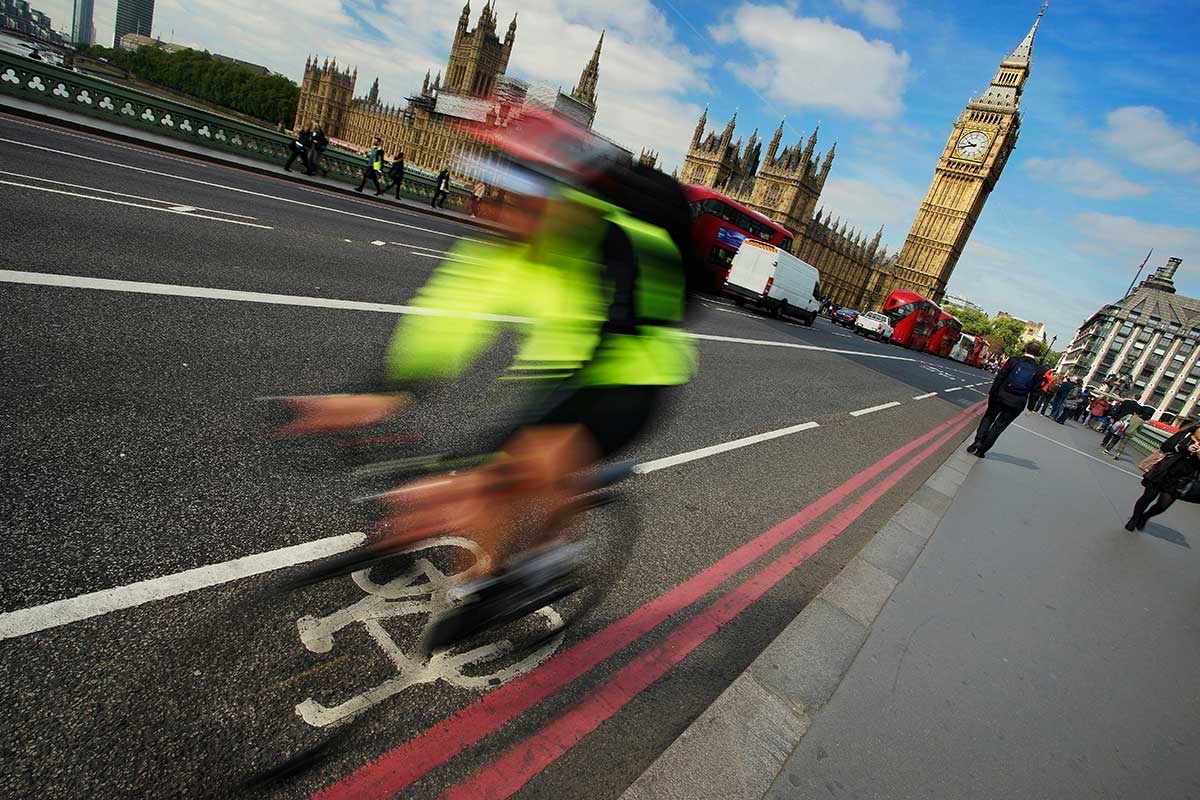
(973, 321)
(268, 97)
(1003, 334)
(1009, 331)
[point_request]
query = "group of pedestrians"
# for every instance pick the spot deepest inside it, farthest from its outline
(308, 146)
(1171, 473)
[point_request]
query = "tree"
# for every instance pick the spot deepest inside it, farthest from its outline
(973, 321)
(271, 98)
(1009, 331)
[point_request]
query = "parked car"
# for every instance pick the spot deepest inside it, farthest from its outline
(774, 280)
(844, 316)
(872, 323)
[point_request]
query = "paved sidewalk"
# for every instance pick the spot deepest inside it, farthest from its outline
(100, 127)
(1035, 650)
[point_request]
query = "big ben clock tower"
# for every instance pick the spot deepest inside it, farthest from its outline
(975, 154)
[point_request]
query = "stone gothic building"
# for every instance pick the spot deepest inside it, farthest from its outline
(786, 186)
(430, 127)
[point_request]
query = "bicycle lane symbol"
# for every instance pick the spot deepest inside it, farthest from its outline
(419, 590)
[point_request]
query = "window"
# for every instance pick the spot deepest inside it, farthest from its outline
(698, 175)
(1155, 320)
(773, 193)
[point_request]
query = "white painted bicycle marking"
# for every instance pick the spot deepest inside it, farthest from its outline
(421, 590)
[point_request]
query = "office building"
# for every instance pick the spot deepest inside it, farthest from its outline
(133, 16)
(1144, 346)
(82, 30)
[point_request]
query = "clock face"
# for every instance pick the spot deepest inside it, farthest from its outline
(973, 145)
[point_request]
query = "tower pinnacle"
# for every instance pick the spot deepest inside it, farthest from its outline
(585, 90)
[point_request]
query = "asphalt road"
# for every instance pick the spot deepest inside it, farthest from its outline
(135, 459)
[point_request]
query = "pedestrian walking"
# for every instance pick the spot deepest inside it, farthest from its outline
(1096, 412)
(1060, 396)
(477, 193)
(374, 166)
(1085, 401)
(441, 189)
(1071, 402)
(316, 148)
(1173, 474)
(1037, 398)
(1009, 394)
(1130, 424)
(395, 174)
(299, 149)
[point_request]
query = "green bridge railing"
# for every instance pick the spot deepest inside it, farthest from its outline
(94, 97)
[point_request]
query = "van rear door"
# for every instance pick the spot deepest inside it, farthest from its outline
(753, 270)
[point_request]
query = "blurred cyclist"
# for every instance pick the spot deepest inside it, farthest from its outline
(598, 270)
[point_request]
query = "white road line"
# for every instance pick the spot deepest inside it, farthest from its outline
(95, 604)
(174, 206)
(176, 290)
(873, 409)
(953, 389)
(135, 205)
(1105, 462)
(245, 191)
(925, 396)
(795, 346)
(172, 290)
(705, 452)
(421, 247)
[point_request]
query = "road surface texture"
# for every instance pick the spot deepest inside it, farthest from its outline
(147, 300)
(1036, 649)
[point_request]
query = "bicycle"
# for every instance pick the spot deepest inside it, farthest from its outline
(516, 617)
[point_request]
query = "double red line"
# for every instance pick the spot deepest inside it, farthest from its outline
(397, 769)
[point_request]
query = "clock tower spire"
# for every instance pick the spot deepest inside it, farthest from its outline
(970, 165)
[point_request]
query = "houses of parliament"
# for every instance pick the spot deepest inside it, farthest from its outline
(785, 185)
(429, 129)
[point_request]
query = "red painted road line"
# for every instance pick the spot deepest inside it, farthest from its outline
(511, 771)
(401, 766)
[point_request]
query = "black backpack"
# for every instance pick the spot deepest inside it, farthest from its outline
(1024, 376)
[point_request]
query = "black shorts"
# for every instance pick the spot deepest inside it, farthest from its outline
(614, 416)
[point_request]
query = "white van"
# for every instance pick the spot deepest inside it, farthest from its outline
(775, 280)
(962, 348)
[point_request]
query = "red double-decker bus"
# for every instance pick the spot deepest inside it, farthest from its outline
(720, 225)
(946, 332)
(913, 318)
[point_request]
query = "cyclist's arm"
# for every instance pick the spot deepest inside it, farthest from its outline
(458, 314)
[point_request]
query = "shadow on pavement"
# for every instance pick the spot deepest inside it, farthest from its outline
(1007, 459)
(1167, 535)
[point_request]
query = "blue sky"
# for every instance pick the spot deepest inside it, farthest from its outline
(1108, 163)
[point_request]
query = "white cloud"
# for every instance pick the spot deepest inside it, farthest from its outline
(805, 62)
(1017, 281)
(869, 198)
(1120, 242)
(645, 72)
(880, 13)
(1084, 176)
(1145, 136)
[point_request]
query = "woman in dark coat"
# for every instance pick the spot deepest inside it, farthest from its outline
(1168, 479)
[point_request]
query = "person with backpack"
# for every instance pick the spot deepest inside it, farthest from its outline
(1071, 401)
(374, 166)
(1040, 393)
(1016, 380)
